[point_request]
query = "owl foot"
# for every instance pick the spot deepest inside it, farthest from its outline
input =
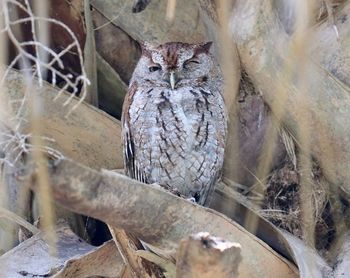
(168, 188)
(157, 185)
(192, 199)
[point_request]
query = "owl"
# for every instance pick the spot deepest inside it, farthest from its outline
(174, 121)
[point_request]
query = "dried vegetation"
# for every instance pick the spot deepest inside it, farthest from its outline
(283, 205)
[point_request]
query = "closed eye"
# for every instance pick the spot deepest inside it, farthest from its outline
(154, 68)
(190, 62)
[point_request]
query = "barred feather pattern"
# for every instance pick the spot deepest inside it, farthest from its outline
(175, 137)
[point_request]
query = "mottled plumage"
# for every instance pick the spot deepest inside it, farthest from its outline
(174, 120)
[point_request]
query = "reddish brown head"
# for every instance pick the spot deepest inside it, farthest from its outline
(176, 63)
(172, 53)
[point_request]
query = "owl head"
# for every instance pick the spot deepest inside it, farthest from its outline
(175, 64)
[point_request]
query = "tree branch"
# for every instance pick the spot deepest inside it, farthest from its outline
(151, 214)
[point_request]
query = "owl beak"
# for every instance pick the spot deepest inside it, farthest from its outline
(172, 80)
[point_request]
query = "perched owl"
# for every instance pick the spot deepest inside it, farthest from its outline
(174, 121)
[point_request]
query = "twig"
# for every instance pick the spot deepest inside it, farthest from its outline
(9, 215)
(26, 57)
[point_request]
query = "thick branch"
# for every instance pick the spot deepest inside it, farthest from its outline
(153, 215)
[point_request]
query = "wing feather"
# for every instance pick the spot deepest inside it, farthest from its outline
(131, 166)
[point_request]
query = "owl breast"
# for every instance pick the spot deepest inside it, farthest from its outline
(178, 138)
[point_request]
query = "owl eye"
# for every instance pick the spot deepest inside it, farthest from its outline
(190, 62)
(154, 68)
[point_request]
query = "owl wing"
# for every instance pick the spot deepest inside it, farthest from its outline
(130, 165)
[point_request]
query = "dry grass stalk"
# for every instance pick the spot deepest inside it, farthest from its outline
(90, 57)
(230, 67)
(301, 52)
(170, 10)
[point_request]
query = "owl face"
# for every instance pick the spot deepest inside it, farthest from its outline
(174, 65)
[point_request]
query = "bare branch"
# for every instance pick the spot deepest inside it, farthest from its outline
(151, 214)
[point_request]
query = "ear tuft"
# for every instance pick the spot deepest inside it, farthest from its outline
(146, 49)
(203, 48)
